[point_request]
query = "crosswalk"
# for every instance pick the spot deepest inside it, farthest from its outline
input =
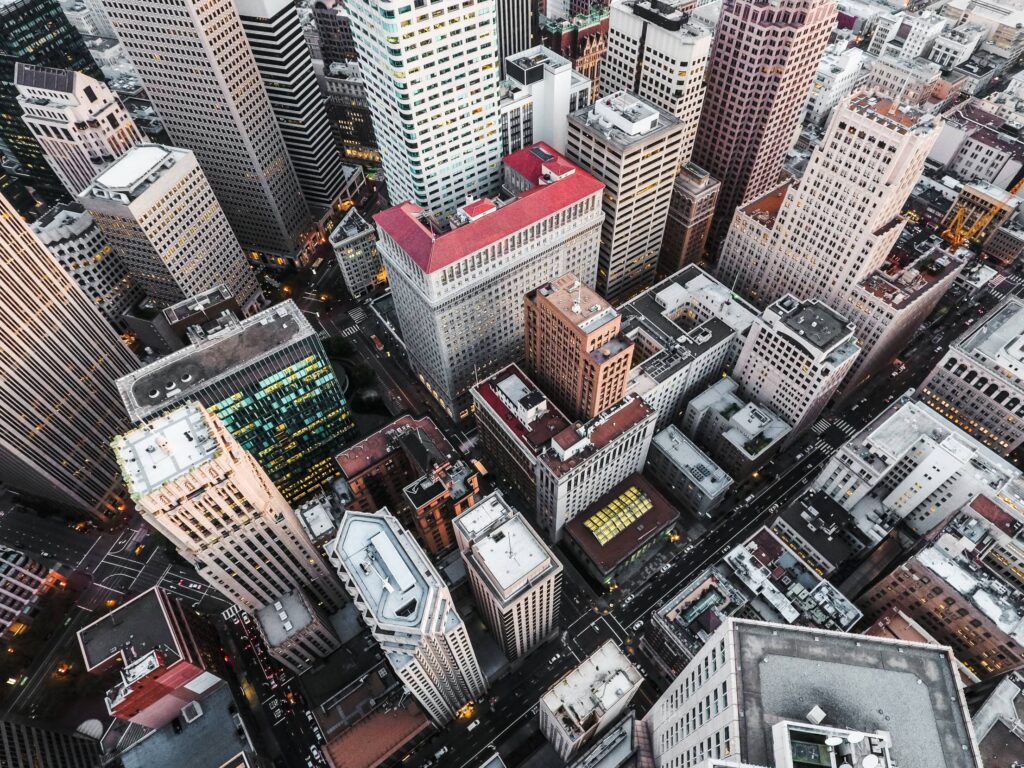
(231, 612)
(351, 330)
(822, 425)
(358, 315)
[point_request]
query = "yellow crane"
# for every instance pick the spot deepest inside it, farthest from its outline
(957, 236)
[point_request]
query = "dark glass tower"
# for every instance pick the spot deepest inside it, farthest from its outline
(35, 32)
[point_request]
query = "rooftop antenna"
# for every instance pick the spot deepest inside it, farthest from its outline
(576, 304)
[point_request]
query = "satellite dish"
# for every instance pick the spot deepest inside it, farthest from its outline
(855, 738)
(870, 761)
(833, 741)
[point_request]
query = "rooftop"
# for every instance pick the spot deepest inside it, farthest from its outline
(236, 345)
(134, 169)
(522, 408)
(901, 287)
(818, 327)
(351, 226)
(765, 209)
(141, 625)
(623, 120)
(555, 184)
(891, 113)
(45, 78)
(185, 309)
(997, 342)
(164, 449)
(419, 434)
(284, 618)
(698, 467)
(576, 302)
(372, 740)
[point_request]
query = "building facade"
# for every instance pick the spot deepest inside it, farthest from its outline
(22, 581)
(199, 488)
(22, 746)
(539, 91)
(296, 632)
(354, 241)
(690, 212)
(688, 475)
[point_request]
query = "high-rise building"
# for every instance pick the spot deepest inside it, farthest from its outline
(199, 488)
(166, 656)
(458, 290)
(841, 71)
(690, 213)
(516, 579)
(275, 36)
(574, 347)
(581, 38)
(34, 32)
(335, 28)
(201, 76)
(518, 27)
(404, 601)
(157, 210)
(437, 150)
(71, 235)
(979, 383)
(22, 581)
(768, 694)
(634, 148)
(354, 241)
(539, 91)
(794, 358)
(658, 53)
(23, 746)
(296, 632)
(268, 379)
(58, 403)
(348, 110)
(828, 236)
(80, 124)
(762, 63)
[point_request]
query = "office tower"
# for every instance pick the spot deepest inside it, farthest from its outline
(458, 290)
(563, 466)
(588, 699)
(80, 124)
(23, 746)
(22, 582)
(829, 235)
(71, 235)
(656, 52)
(516, 579)
(911, 466)
(268, 379)
(35, 32)
(794, 358)
(762, 63)
(157, 210)
(354, 241)
(773, 699)
(574, 347)
(296, 632)
(348, 110)
(979, 383)
(201, 77)
(517, 27)
(410, 467)
(195, 485)
(335, 28)
(166, 656)
(907, 35)
(690, 213)
(691, 328)
(634, 148)
(437, 150)
(57, 372)
(539, 91)
(282, 57)
(404, 601)
(841, 71)
(582, 39)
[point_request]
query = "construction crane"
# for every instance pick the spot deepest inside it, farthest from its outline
(957, 236)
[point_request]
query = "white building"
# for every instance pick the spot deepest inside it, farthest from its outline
(196, 486)
(80, 124)
(794, 358)
(688, 474)
(71, 235)
(404, 601)
(58, 402)
(841, 71)
(907, 81)
(539, 92)
(588, 699)
(459, 290)
(761, 694)
(658, 52)
(635, 148)
(432, 83)
(354, 241)
(955, 46)
(904, 34)
(912, 465)
(200, 74)
(160, 215)
(516, 579)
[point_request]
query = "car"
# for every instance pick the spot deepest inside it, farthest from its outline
(441, 753)
(473, 725)
(636, 627)
(277, 714)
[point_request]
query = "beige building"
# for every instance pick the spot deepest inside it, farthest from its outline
(197, 487)
(575, 348)
(297, 633)
(516, 579)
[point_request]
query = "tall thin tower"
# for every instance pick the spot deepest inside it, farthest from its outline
(762, 63)
(59, 406)
(202, 78)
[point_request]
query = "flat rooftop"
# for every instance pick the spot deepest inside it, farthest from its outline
(891, 113)
(811, 320)
(698, 467)
(232, 348)
(576, 302)
(536, 435)
(164, 449)
(374, 448)
(131, 631)
(998, 341)
(130, 173)
(285, 617)
(623, 120)
(860, 682)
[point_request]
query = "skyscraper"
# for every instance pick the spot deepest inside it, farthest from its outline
(34, 32)
(517, 27)
(202, 78)
(762, 63)
(80, 124)
(335, 28)
(634, 148)
(690, 212)
(282, 56)
(58, 403)
(432, 83)
(574, 347)
(157, 210)
(404, 601)
(195, 485)
(24, 746)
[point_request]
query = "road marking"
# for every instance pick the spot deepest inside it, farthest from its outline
(351, 330)
(88, 551)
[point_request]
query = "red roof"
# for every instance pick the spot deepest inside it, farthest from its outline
(479, 208)
(435, 251)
